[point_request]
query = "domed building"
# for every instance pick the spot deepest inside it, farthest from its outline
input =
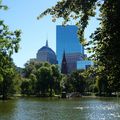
(46, 54)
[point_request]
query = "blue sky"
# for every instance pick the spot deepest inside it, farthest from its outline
(22, 14)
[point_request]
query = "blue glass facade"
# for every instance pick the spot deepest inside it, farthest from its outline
(84, 64)
(67, 40)
(72, 59)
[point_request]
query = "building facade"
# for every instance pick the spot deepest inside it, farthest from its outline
(67, 40)
(46, 54)
(72, 59)
(84, 64)
(64, 66)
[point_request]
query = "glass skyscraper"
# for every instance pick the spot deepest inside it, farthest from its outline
(67, 40)
(84, 64)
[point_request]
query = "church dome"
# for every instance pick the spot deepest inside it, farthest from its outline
(46, 54)
(47, 49)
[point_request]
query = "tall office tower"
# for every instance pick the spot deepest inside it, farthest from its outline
(67, 40)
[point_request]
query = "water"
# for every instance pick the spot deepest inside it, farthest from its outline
(60, 109)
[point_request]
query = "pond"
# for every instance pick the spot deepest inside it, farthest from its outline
(60, 109)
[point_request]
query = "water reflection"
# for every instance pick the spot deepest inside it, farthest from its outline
(60, 109)
(7, 109)
(99, 109)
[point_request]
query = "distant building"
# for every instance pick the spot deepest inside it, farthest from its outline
(64, 68)
(67, 40)
(72, 59)
(84, 64)
(46, 54)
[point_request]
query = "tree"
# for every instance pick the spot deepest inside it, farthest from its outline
(16, 83)
(26, 87)
(31, 67)
(30, 72)
(67, 84)
(77, 81)
(74, 82)
(9, 43)
(8, 77)
(78, 10)
(45, 81)
(90, 79)
(105, 40)
(33, 81)
(44, 78)
(107, 48)
(56, 76)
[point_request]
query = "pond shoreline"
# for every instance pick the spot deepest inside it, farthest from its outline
(57, 97)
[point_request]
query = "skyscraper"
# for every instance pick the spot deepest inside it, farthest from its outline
(67, 40)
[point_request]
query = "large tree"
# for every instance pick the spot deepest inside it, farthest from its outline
(105, 40)
(9, 43)
(43, 78)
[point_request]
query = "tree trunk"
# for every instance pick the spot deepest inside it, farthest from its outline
(4, 91)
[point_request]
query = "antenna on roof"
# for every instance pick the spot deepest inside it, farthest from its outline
(47, 41)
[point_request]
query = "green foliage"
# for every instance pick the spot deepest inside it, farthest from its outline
(74, 82)
(31, 67)
(33, 82)
(26, 86)
(78, 82)
(9, 43)
(4, 7)
(44, 82)
(9, 82)
(66, 84)
(107, 45)
(79, 11)
(56, 76)
(44, 78)
(100, 85)
(105, 41)
(16, 83)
